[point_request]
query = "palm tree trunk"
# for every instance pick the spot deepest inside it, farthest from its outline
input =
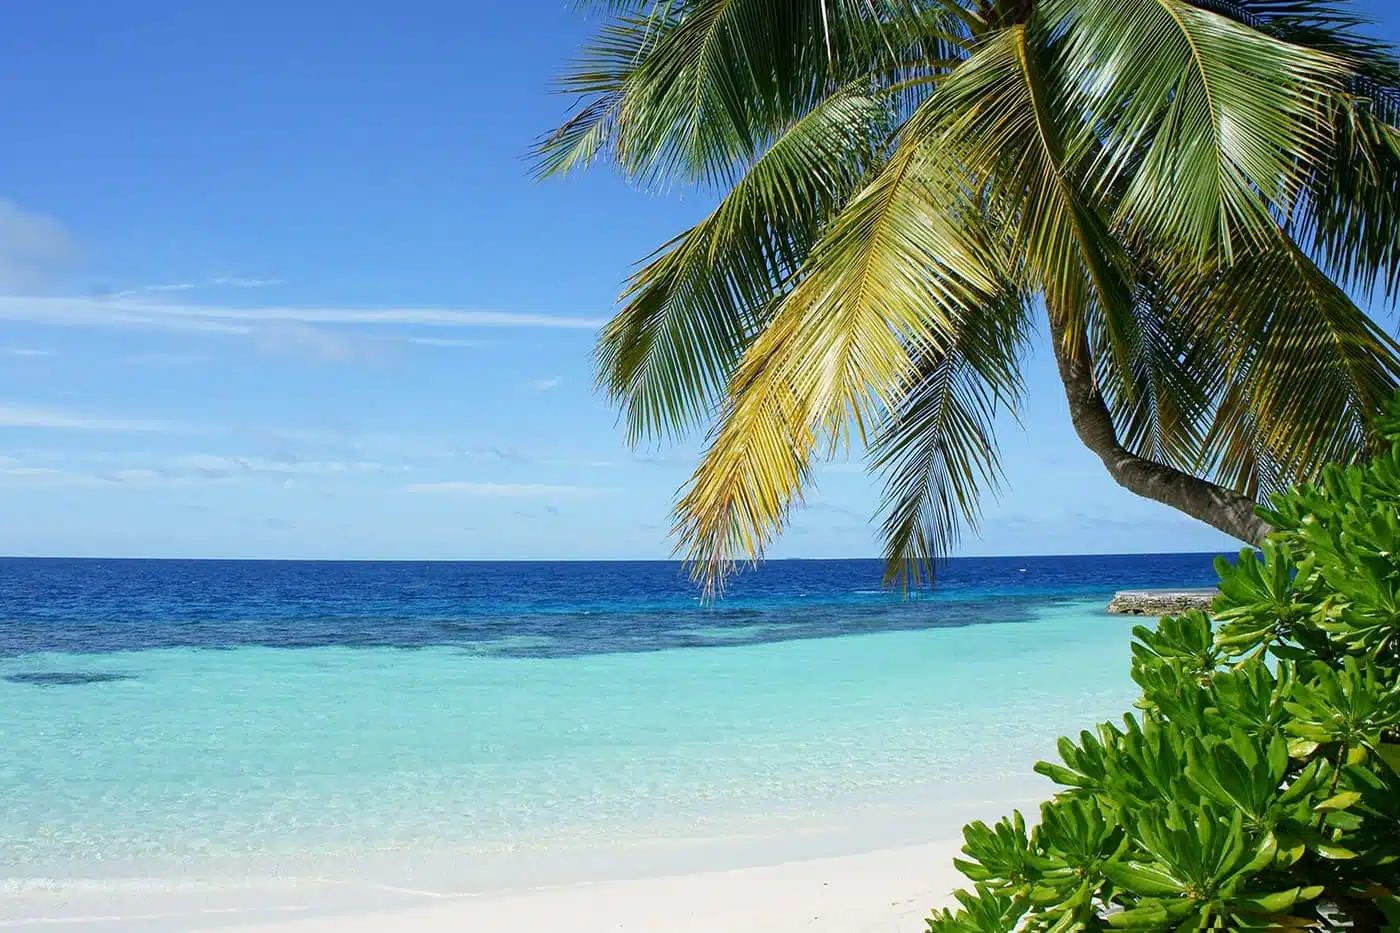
(1215, 505)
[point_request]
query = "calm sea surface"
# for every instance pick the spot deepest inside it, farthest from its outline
(184, 723)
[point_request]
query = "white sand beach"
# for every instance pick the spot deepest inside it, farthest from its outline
(877, 873)
(888, 891)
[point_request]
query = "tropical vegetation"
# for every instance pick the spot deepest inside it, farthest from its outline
(1184, 194)
(1258, 786)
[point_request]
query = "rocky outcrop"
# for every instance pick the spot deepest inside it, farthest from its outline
(1160, 602)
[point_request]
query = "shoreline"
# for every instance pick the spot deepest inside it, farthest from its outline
(888, 889)
(874, 865)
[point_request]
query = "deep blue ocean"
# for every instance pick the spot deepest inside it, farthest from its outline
(525, 609)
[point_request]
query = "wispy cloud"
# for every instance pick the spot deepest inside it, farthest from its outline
(27, 352)
(129, 312)
(508, 490)
(214, 465)
(220, 282)
(31, 246)
(137, 476)
(97, 469)
(544, 385)
(505, 455)
(16, 474)
(21, 416)
(45, 478)
(166, 287)
(830, 509)
(239, 282)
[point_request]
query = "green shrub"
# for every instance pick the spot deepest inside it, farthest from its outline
(1258, 786)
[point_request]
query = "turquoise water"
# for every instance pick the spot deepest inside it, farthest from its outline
(293, 759)
(571, 746)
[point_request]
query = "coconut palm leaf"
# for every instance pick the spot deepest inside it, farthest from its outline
(997, 116)
(600, 77)
(693, 309)
(937, 447)
(890, 279)
(1352, 215)
(1174, 365)
(1307, 369)
(1216, 121)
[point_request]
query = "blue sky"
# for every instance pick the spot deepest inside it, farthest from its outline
(274, 282)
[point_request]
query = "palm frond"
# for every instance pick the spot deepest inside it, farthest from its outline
(599, 77)
(937, 447)
(889, 280)
(1350, 218)
(1352, 214)
(1210, 125)
(696, 90)
(1307, 373)
(1000, 120)
(692, 310)
(1174, 369)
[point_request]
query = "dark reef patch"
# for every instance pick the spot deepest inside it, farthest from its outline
(66, 678)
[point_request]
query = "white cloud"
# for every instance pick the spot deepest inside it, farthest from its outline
(47, 478)
(31, 246)
(218, 465)
(220, 282)
(20, 416)
(239, 282)
(125, 311)
(168, 287)
(508, 490)
(544, 385)
(25, 352)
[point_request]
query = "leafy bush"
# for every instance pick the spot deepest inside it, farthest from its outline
(1258, 787)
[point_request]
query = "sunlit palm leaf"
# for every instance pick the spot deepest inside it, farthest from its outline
(998, 116)
(1133, 163)
(1352, 216)
(1210, 124)
(720, 77)
(893, 273)
(690, 313)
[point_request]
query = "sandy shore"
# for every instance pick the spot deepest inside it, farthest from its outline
(889, 891)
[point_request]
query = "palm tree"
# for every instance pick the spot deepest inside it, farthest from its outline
(1184, 191)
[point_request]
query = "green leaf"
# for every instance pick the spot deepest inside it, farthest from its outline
(1272, 903)
(1342, 801)
(1390, 754)
(1146, 880)
(1301, 748)
(1335, 852)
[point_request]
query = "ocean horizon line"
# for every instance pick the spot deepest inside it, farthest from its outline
(582, 560)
